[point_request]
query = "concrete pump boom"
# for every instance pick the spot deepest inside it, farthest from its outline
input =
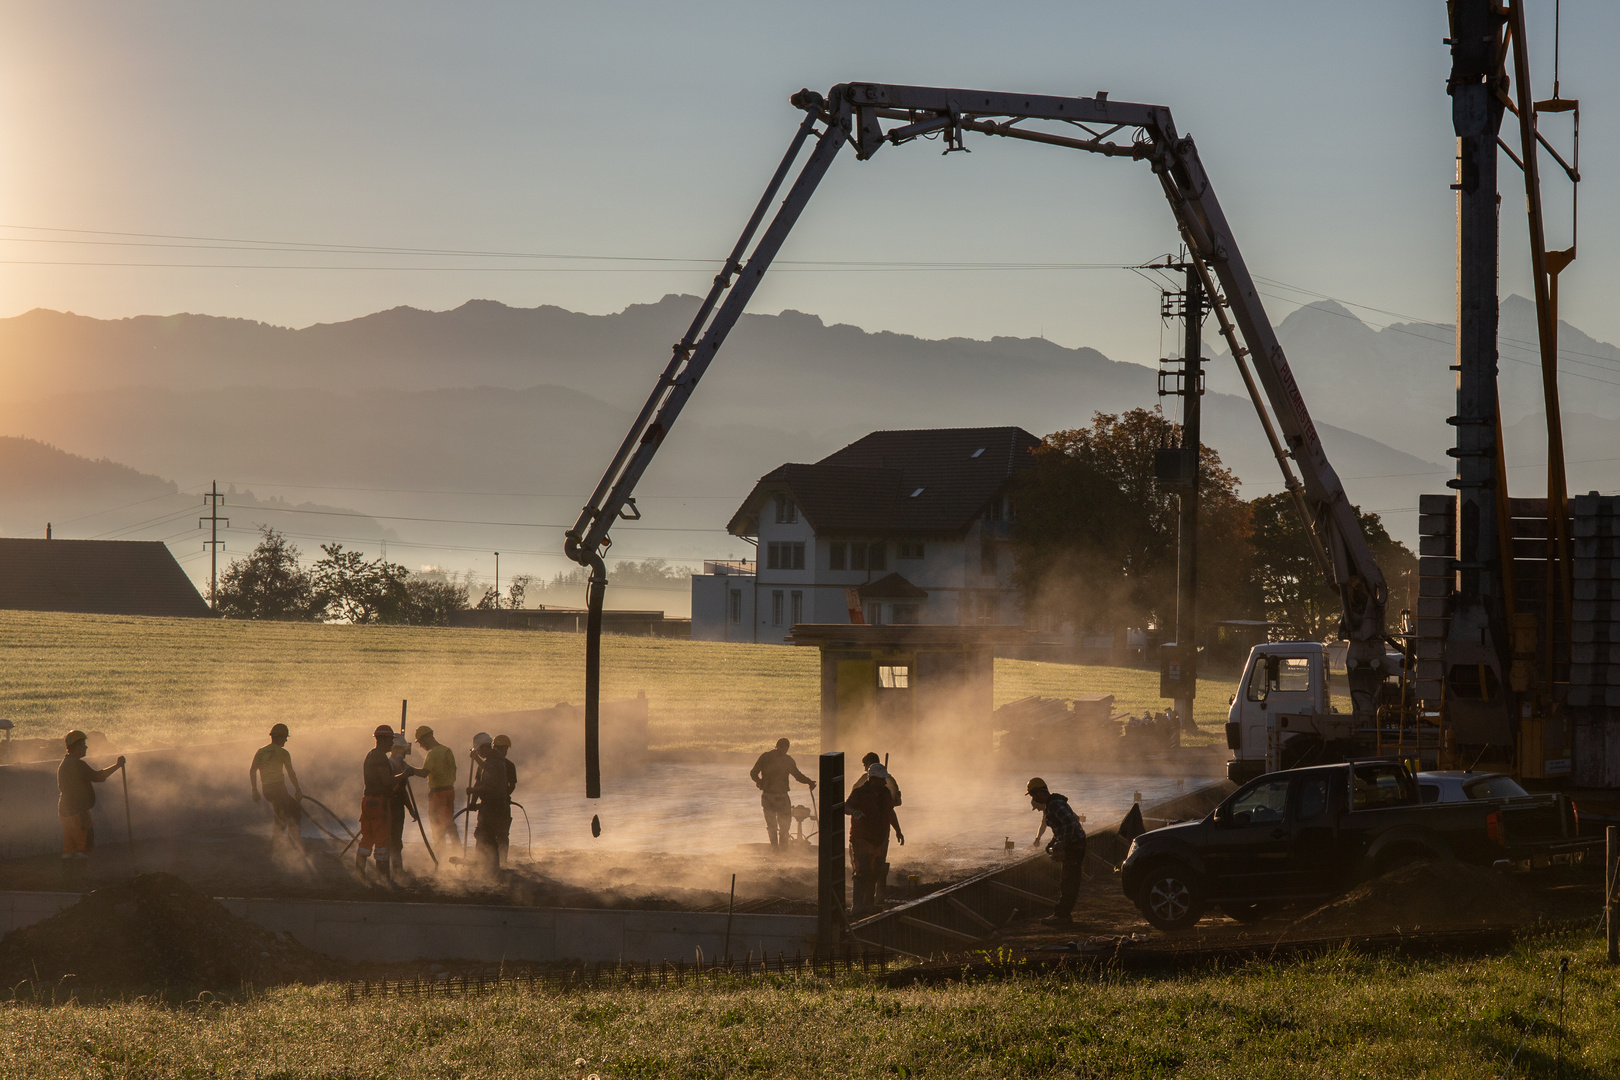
(855, 114)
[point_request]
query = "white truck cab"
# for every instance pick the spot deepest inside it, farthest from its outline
(1282, 697)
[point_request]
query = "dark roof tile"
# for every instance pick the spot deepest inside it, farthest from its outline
(107, 577)
(927, 482)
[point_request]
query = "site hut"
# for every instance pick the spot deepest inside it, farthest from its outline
(918, 691)
(899, 527)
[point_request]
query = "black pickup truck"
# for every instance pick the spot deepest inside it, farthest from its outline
(1308, 834)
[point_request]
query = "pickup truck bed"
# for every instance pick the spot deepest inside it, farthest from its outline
(1309, 834)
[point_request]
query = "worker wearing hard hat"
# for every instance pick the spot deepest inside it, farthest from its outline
(1068, 844)
(439, 766)
(377, 804)
(271, 767)
(75, 781)
(871, 815)
(771, 774)
(397, 753)
(494, 793)
(880, 884)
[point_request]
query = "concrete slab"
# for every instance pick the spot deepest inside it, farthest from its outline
(387, 932)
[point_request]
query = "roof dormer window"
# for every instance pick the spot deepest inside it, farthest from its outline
(916, 493)
(786, 512)
(977, 452)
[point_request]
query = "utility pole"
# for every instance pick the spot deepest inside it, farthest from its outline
(1177, 469)
(212, 545)
(497, 581)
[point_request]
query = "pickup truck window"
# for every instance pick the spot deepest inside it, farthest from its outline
(1257, 684)
(1493, 787)
(1262, 804)
(1375, 785)
(1313, 797)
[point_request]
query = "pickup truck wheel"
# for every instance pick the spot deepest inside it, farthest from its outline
(1171, 898)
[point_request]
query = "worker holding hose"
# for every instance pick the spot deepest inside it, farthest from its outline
(271, 767)
(376, 805)
(1068, 845)
(494, 793)
(439, 766)
(870, 808)
(75, 781)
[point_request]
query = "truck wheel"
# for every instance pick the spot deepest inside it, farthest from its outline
(1171, 897)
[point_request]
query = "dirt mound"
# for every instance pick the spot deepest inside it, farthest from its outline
(1431, 895)
(153, 932)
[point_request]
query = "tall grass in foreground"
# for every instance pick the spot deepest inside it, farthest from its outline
(161, 681)
(1342, 1015)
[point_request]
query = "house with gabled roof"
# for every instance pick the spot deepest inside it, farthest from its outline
(908, 527)
(107, 577)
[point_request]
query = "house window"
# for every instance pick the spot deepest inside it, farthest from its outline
(857, 556)
(736, 605)
(877, 557)
(909, 549)
(874, 613)
(784, 555)
(989, 608)
(988, 563)
(798, 608)
(776, 608)
(836, 555)
(907, 613)
(894, 676)
(786, 512)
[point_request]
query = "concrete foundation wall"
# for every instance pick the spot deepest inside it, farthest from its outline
(384, 931)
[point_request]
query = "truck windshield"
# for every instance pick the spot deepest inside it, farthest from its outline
(1493, 787)
(1372, 786)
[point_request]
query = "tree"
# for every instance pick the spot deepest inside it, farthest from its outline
(648, 574)
(430, 601)
(1095, 533)
(1294, 590)
(271, 583)
(350, 589)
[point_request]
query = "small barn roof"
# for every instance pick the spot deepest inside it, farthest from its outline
(107, 577)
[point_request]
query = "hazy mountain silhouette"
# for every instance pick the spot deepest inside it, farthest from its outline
(488, 398)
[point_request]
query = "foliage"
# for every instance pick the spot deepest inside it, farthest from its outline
(350, 589)
(181, 680)
(1294, 591)
(1095, 533)
(1340, 1014)
(648, 574)
(271, 583)
(430, 601)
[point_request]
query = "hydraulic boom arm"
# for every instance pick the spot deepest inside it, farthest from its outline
(855, 114)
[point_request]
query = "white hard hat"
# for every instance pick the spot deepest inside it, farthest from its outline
(482, 739)
(876, 771)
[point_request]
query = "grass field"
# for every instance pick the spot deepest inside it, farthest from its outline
(158, 681)
(1344, 1015)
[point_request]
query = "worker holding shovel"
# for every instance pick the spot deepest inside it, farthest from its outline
(75, 781)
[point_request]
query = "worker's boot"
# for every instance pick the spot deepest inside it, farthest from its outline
(360, 858)
(863, 897)
(881, 885)
(385, 868)
(396, 866)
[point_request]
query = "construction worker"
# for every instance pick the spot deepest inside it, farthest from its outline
(881, 886)
(1068, 844)
(494, 793)
(402, 801)
(76, 795)
(377, 804)
(871, 815)
(272, 765)
(439, 766)
(771, 775)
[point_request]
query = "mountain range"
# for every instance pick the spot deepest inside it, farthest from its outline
(453, 434)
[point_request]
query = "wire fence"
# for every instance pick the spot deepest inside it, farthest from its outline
(665, 975)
